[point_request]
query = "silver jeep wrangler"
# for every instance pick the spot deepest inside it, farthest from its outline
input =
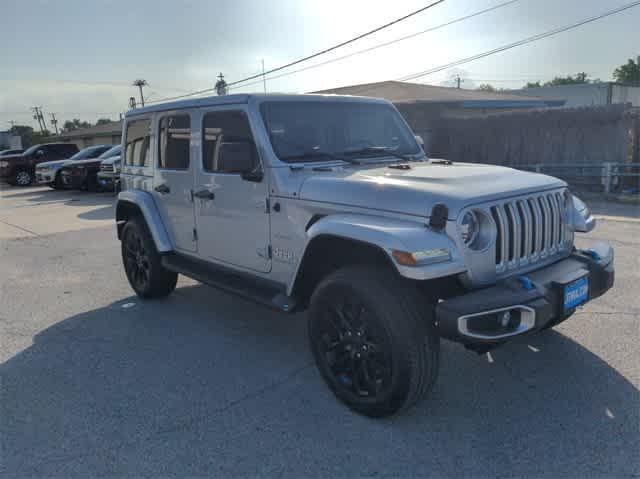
(328, 203)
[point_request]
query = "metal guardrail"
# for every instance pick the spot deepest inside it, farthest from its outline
(610, 174)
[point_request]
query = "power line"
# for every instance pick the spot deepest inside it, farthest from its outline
(524, 41)
(309, 57)
(391, 42)
(339, 45)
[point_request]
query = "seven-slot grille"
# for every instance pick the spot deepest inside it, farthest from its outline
(108, 168)
(530, 229)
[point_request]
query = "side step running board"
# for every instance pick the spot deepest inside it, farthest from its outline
(254, 289)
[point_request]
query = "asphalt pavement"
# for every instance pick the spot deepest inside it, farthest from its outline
(95, 382)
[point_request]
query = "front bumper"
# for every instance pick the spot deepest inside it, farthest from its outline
(534, 301)
(108, 180)
(70, 181)
(45, 177)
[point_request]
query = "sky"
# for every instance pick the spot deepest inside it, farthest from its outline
(78, 58)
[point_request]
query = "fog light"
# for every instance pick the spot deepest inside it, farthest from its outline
(505, 317)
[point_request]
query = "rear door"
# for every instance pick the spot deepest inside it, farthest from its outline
(173, 177)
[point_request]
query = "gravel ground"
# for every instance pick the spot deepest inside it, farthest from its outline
(96, 382)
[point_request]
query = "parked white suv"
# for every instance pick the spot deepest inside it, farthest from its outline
(329, 203)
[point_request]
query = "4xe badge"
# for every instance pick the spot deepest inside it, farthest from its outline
(282, 255)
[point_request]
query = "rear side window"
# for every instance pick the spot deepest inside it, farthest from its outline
(138, 137)
(231, 130)
(175, 136)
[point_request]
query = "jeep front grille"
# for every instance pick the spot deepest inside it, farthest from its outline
(107, 168)
(531, 229)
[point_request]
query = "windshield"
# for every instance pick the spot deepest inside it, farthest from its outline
(87, 153)
(321, 130)
(115, 151)
(32, 149)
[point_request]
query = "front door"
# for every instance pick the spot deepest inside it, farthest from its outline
(173, 178)
(231, 193)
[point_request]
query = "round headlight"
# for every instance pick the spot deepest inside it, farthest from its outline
(477, 230)
(469, 227)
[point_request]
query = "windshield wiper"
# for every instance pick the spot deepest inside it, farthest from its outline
(315, 154)
(387, 150)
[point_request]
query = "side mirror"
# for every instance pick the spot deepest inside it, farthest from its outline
(39, 153)
(240, 157)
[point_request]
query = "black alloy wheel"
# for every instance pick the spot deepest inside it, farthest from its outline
(136, 260)
(373, 339)
(354, 349)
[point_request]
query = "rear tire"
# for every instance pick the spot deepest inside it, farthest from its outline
(373, 340)
(142, 263)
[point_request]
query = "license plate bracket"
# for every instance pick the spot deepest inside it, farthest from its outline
(576, 293)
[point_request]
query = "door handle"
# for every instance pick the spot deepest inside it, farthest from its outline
(163, 188)
(205, 194)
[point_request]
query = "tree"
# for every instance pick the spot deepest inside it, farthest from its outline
(75, 124)
(102, 121)
(28, 135)
(533, 85)
(628, 73)
(578, 79)
(487, 87)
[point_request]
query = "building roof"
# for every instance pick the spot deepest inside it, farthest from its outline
(404, 92)
(106, 129)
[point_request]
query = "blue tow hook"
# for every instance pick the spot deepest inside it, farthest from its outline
(593, 253)
(526, 283)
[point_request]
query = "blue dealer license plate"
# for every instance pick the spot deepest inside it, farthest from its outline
(576, 293)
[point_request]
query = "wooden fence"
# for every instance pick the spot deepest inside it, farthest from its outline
(551, 136)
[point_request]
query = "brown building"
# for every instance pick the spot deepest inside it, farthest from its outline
(105, 134)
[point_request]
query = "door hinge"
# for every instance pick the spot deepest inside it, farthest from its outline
(195, 234)
(267, 205)
(192, 200)
(269, 252)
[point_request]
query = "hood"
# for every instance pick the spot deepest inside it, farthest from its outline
(53, 164)
(88, 162)
(111, 161)
(415, 191)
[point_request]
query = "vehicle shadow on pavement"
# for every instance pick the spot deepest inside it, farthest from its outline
(103, 213)
(203, 383)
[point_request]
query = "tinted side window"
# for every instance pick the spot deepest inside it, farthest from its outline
(137, 143)
(67, 150)
(175, 136)
(228, 132)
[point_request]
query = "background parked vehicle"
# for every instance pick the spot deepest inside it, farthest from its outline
(83, 174)
(10, 152)
(47, 173)
(20, 169)
(109, 174)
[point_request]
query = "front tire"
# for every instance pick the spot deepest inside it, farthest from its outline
(22, 178)
(142, 264)
(373, 340)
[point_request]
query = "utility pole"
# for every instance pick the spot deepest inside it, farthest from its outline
(264, 79)
(140, 83)
(458, 81)
(37, 115)
(221, 85)
(54, 122)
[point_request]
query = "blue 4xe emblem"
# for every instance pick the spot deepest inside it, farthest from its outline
(576, 293)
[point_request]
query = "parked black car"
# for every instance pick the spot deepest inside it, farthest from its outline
(48, 173)
(20, 169)
(82, 175)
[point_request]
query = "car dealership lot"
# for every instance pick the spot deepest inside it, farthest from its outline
(96, 382)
